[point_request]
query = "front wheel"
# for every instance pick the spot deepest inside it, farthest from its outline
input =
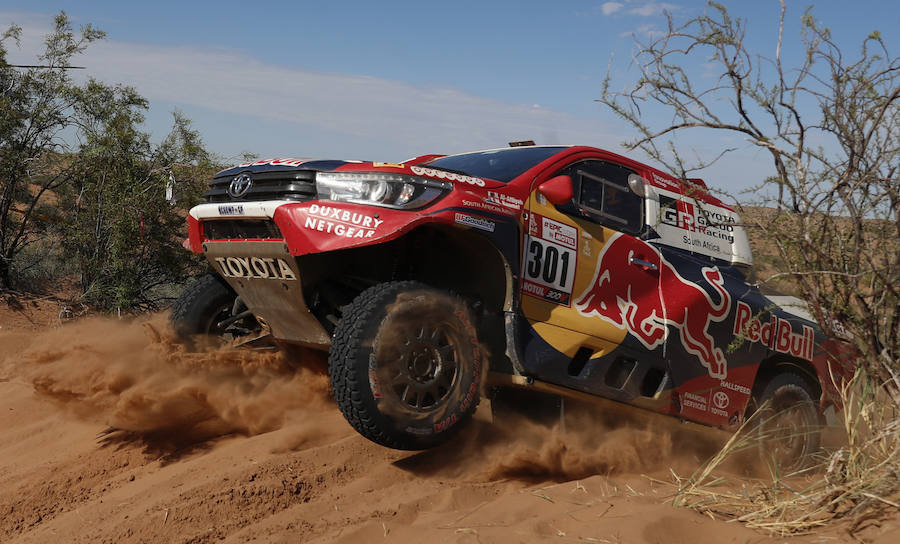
(405, 365)
(209, 313)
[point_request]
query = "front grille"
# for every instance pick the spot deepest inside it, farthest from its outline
(299, 185)
(241, 229)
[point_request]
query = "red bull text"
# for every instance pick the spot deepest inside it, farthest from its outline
(776, 334)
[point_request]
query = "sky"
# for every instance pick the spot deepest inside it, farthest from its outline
(391, 80)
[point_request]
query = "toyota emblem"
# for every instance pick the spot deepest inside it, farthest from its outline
(240, 185)
(721, 400)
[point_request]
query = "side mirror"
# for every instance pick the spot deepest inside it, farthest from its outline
(557, 190)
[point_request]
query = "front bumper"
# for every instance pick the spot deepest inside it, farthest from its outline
(266, 277)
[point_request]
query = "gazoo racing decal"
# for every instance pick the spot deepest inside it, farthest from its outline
(646, 303)
(703, 218)
(255, 267)
(550, 259)
(776, 334)
(341, 222)
(449, 176)
(700, 227)
(476, 222)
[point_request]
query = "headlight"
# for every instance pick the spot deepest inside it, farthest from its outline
(387, 190)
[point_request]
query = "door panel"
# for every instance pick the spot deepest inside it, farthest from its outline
(584, 282)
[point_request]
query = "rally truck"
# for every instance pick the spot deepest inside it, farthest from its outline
(565, 270)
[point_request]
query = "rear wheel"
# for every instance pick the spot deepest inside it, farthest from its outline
(405, 365)
(209, 313)
(789, 427)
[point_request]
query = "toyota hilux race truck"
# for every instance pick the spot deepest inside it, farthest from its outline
(567, 270)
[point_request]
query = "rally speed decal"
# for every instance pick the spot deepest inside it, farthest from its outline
(550, 260)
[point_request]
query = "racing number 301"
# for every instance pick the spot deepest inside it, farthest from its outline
(546, 262)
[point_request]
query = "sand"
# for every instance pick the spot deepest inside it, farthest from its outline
(111, 433)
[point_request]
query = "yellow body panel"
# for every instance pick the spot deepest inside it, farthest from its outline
(564, 327)
(569, 342)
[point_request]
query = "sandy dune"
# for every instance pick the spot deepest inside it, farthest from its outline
(112, 434)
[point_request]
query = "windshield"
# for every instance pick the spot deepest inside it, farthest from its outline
(499, 164)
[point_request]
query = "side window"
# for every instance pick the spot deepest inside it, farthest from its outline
(602, 195)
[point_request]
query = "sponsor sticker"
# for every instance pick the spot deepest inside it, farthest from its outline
(484, 205)
(695, 401)
(507, 201)
(475, 222)
(665, 182)
(341, 222)
(647, 304)
(236, 209)
(550, 260)
(720, 401)
(775, 333)
(744, 390)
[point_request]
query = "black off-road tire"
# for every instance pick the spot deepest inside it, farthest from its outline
(788, 422)
(406, 365)
(201, 307)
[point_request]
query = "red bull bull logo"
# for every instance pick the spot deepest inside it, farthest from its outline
(629, 293)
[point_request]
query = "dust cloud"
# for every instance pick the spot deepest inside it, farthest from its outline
(133, 376)
(515, 447)
(541, 453)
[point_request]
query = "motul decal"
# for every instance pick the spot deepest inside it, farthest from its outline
(646, 301)
(550, 260)
(776, 334)
(255, 267)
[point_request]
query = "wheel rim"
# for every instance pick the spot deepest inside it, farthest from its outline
(221, 325)
(787, 429)
(424, 367)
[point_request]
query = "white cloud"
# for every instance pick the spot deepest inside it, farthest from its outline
(393, 115)
(652, 9)
(609, 8)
